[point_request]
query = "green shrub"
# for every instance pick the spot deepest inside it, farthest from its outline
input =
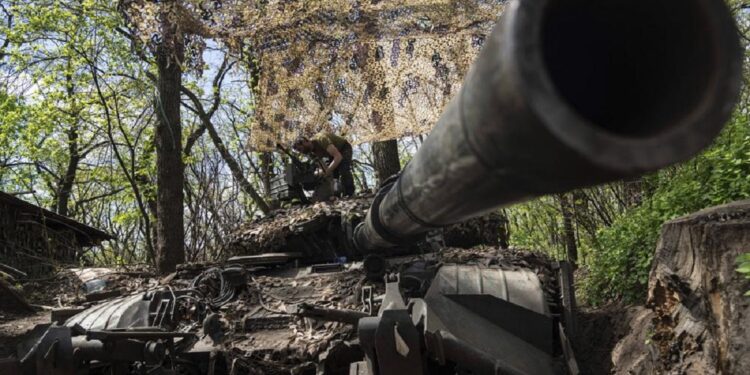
(621, 260)
(743, 267)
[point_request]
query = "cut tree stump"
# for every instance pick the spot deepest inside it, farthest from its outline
(701, 318)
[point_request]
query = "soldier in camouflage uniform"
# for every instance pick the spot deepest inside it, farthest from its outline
(338, 152)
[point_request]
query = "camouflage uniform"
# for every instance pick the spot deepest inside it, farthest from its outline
(344, 170)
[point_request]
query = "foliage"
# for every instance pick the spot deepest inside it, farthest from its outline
(77, 128)
(743, 267)
(537, 224)
(621, 262)
(12, 110)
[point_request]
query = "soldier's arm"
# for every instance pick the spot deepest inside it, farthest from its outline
(337, 157)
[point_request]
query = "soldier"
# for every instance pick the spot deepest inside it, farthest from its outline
(339, 153)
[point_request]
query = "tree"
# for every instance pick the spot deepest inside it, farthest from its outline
(51, 47)
(385, 158)
(58, 144)
(79, 121)
(170, 170)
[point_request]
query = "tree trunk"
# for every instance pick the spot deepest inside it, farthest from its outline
(694, 297)
(170, 170)
(266, 170)
(65, 184)
(569, 234)
(385, 156)
(504, 237)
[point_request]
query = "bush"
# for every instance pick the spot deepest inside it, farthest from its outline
(743, 267)
(621, 261)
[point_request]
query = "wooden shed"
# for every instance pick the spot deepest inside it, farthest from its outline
(33, 239)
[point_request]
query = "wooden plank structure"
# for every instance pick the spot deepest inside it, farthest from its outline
(33, 239)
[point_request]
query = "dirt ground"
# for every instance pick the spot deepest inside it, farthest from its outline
(599, 331)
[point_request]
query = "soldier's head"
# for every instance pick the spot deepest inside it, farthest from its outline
(303, 145)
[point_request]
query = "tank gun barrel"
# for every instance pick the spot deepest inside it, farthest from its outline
(567, 94)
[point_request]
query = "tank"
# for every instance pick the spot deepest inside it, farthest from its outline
(565, 94)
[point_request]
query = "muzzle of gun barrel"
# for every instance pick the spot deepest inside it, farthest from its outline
(568, 94)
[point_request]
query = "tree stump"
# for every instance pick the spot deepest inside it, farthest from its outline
(701, 319)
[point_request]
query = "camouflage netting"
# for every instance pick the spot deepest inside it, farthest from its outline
(321, 231)
(380, 69)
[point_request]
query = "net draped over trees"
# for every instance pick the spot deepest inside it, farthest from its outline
(379, 69)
